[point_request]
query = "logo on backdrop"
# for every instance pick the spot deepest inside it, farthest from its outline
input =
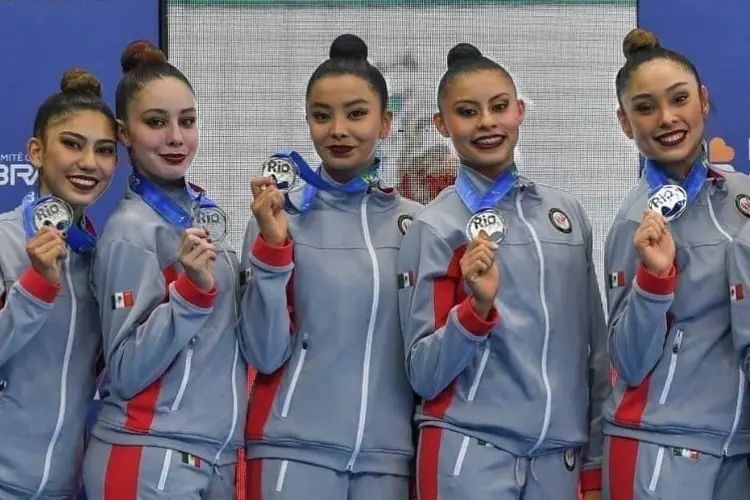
(720, 154)
(16, 170)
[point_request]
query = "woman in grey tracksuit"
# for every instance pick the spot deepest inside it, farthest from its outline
(175, 395)
(331, 413)
(502, 316)
(677, 425)
(50, 338)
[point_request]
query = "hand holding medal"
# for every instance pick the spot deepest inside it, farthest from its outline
(268, 209)
(46, 250)
(655, 243)
(480, 272)
(197, 254)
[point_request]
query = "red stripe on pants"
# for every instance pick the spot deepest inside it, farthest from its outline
(623, 456)
(427, 463)
(121, 477)
(254, 479)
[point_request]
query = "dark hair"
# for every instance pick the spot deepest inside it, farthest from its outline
(465, 58)
(348, 56)
(79, 91)
(142, 63)
(641, 46)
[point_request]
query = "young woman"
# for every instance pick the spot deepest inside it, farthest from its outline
(331, 414)
(502, 318)
(170, 424)
(677, 423)
(49, 329)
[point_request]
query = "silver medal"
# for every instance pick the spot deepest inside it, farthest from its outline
(283, 171)
(491, 221)
(213, 220)
(670, 201)
(52, 212)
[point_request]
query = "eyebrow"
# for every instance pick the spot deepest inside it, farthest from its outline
(469, 101)
(165, 112)
(347, 104)
(83, 138)
(669, 89)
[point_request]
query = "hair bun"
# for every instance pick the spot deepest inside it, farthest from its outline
(639, 40)
(463, 52)
(348, 47)
(80, 80)
(140, 52)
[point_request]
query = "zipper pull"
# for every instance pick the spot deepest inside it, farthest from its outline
(677, 342)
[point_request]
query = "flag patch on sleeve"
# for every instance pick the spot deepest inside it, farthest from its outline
(123, 300)
(405, 280)
(191, 460)
(736, 292)
(617, 280)
(245, 277)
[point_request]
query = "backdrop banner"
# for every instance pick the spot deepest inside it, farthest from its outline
(42, 39)
(719, 53)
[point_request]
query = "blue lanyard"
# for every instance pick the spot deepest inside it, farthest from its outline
(77, 237)
(315, 182)
(657, 179)
(165, 206)
(497, 191)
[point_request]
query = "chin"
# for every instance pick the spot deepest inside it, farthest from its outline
(342, 165)
(82, 200)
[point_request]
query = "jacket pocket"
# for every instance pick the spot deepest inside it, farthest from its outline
(187, 365)
(480, 372)
(295, 376)
(676, 346)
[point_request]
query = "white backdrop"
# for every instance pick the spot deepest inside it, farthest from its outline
(250, 66)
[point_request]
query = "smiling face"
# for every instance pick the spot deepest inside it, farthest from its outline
(481, 114)
(663, 111)
(346, 121)
(161, 129)
(77, 157)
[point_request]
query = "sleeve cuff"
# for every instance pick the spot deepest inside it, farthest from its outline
(190, 292)
(473, 322)
(591, 480)
(654, 284)
(272, 255)
(38, 286)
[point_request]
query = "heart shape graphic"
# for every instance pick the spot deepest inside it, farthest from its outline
(719, 151)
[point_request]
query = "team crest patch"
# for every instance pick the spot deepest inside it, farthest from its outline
(560, 220)
(404, 222)
(569, 457)
(743, 204)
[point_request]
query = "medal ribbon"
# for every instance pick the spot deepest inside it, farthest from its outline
(657, 179)
(497, 191)
(162, 204)
(315, 182)
(77, 237)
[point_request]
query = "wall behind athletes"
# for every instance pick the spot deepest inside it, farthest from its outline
(250, 61)
(721, 56)
(40, 40)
